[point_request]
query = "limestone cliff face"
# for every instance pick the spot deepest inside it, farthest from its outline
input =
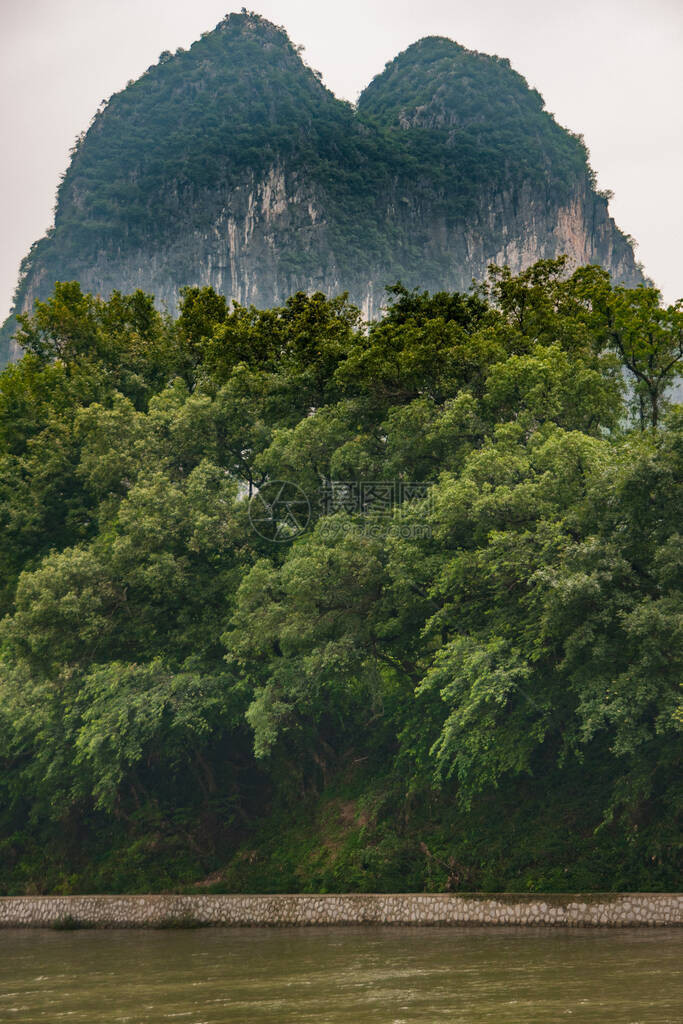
(232, 166)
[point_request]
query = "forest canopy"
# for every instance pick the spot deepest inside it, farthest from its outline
(294, 602)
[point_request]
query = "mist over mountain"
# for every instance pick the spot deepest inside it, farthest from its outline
(232, 165)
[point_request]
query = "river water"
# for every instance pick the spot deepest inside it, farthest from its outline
(342, 976)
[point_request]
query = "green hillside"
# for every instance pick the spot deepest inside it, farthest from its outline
(487, 119)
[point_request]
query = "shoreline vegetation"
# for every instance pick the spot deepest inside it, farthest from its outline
(294, 604)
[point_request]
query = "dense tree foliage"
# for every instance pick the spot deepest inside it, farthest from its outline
(460, 670)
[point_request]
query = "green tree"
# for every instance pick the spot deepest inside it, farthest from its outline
(488, 670)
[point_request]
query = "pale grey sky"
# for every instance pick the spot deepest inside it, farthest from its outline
(611, 69)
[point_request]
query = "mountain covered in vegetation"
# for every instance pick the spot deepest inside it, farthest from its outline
(231, 165)
(288, 605)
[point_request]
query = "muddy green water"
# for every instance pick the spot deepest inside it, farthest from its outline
(335, 975)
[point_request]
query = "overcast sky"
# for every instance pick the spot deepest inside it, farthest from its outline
(611, 69)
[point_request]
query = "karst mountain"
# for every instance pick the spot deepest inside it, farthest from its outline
(232, 165)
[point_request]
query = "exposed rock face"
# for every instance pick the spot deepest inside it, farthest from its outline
(231, 165)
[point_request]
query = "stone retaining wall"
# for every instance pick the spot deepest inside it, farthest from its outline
(612, 910)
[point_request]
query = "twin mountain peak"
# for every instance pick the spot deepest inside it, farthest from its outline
(230, 164)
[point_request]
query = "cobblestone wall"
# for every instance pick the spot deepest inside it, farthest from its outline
(158, 911)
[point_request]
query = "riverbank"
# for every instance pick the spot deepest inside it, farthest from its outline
(594, 910)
